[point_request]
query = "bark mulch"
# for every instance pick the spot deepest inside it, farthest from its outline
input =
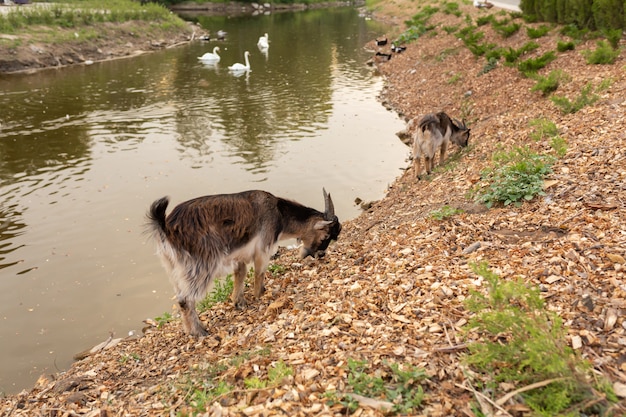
(392, 289)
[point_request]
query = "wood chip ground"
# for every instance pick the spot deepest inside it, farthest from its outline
(393, 287)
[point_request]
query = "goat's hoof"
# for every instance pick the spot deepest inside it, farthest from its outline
(259, 293)
(199, 332)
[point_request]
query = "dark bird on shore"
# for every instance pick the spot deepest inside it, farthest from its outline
(381, 41)
(382, 57)
(397, 49)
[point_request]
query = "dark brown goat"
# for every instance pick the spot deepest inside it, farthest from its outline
(207, 237)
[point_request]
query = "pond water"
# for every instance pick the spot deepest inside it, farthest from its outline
(84, 151)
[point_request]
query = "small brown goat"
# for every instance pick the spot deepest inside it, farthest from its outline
(434, 131)
(209, 236)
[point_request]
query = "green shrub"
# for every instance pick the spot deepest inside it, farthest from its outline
(603, 54)
(521, 342)
(613, 36)
(484, 20)
(535, 33)
(563, 46)
(608, 14)
(532, 65)
(543, 128)
(506, 29)
(471, 39)
(511, 55)
(574, 32)
(585, 98)
(550, 83)
(516, 176)
(452, 8)
(494, 54)
(491, 64)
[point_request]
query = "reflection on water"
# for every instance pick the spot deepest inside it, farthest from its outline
(84, 151)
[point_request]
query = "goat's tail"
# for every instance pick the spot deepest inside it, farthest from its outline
(156, 215)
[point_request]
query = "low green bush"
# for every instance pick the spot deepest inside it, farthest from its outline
(515, 176)
(398, 384)
(452, 8)
(532, 65)
(549, 84)
(511, 55)
(492, 63)
(613, 36)
(519, 341)
(506, 29)
(563, 46)
(535, 33)
(603, 54)
(585, 98)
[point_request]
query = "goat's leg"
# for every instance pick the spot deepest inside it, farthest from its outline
(417, 166)
(237, 295)
(191, 321)
(260, 265)
(442, 157)
(428, 161)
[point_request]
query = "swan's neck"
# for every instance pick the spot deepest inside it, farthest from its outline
(215, 50)
(247, 62)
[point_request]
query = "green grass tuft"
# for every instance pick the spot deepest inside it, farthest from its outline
(445, 212)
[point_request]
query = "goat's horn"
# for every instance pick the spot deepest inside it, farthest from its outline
(329, 211)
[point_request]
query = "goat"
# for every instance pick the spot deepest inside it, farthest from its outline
(435, 131)
(209, 236)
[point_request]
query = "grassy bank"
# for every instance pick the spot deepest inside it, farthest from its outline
(43, 35)
(76, 14)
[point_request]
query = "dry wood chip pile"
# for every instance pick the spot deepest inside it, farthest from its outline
(392, 288)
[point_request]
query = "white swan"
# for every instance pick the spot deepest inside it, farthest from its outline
(240, 67)
(263, 42)
(213, 57)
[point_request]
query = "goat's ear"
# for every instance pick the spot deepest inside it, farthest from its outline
(322, 224)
